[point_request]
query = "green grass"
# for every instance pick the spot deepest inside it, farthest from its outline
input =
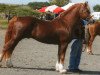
(3, 23)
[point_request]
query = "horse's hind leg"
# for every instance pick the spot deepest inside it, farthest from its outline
(89, 49)
(7, 51)
(9, 47)
(7, 38)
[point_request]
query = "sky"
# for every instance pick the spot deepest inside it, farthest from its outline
(20, 1)
(91, 2)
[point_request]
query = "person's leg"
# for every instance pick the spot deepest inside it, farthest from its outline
(75, 54)
(79, 52)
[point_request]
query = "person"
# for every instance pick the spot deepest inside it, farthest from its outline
(48, 16)
(75, 54)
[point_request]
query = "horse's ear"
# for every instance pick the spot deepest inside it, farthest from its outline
(86, 3)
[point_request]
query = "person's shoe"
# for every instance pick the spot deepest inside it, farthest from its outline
(74, 70)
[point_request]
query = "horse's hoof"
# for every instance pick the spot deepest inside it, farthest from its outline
(57, 70)
(9, 65)
(0, 65)
(63, 71)
(90, 53)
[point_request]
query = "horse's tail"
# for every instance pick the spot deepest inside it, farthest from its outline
(10, 29)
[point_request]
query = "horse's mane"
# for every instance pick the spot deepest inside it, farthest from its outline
(69, 9)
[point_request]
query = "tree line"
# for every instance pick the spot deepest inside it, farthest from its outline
(96, 8)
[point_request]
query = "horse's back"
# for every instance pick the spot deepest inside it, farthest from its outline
(22, 19)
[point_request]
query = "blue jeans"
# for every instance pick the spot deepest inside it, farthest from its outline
(75, 54)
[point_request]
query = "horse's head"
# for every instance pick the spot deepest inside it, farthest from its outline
(84, 11)
(90, 20)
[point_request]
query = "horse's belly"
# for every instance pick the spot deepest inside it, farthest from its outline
(48, 40)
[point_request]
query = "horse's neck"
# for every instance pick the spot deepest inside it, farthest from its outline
(71, 18)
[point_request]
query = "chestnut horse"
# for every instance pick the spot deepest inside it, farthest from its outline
(94, 30)
(57, 31)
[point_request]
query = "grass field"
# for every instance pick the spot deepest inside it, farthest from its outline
(3, 23)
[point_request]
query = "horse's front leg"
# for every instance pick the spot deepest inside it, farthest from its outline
(61, 57)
